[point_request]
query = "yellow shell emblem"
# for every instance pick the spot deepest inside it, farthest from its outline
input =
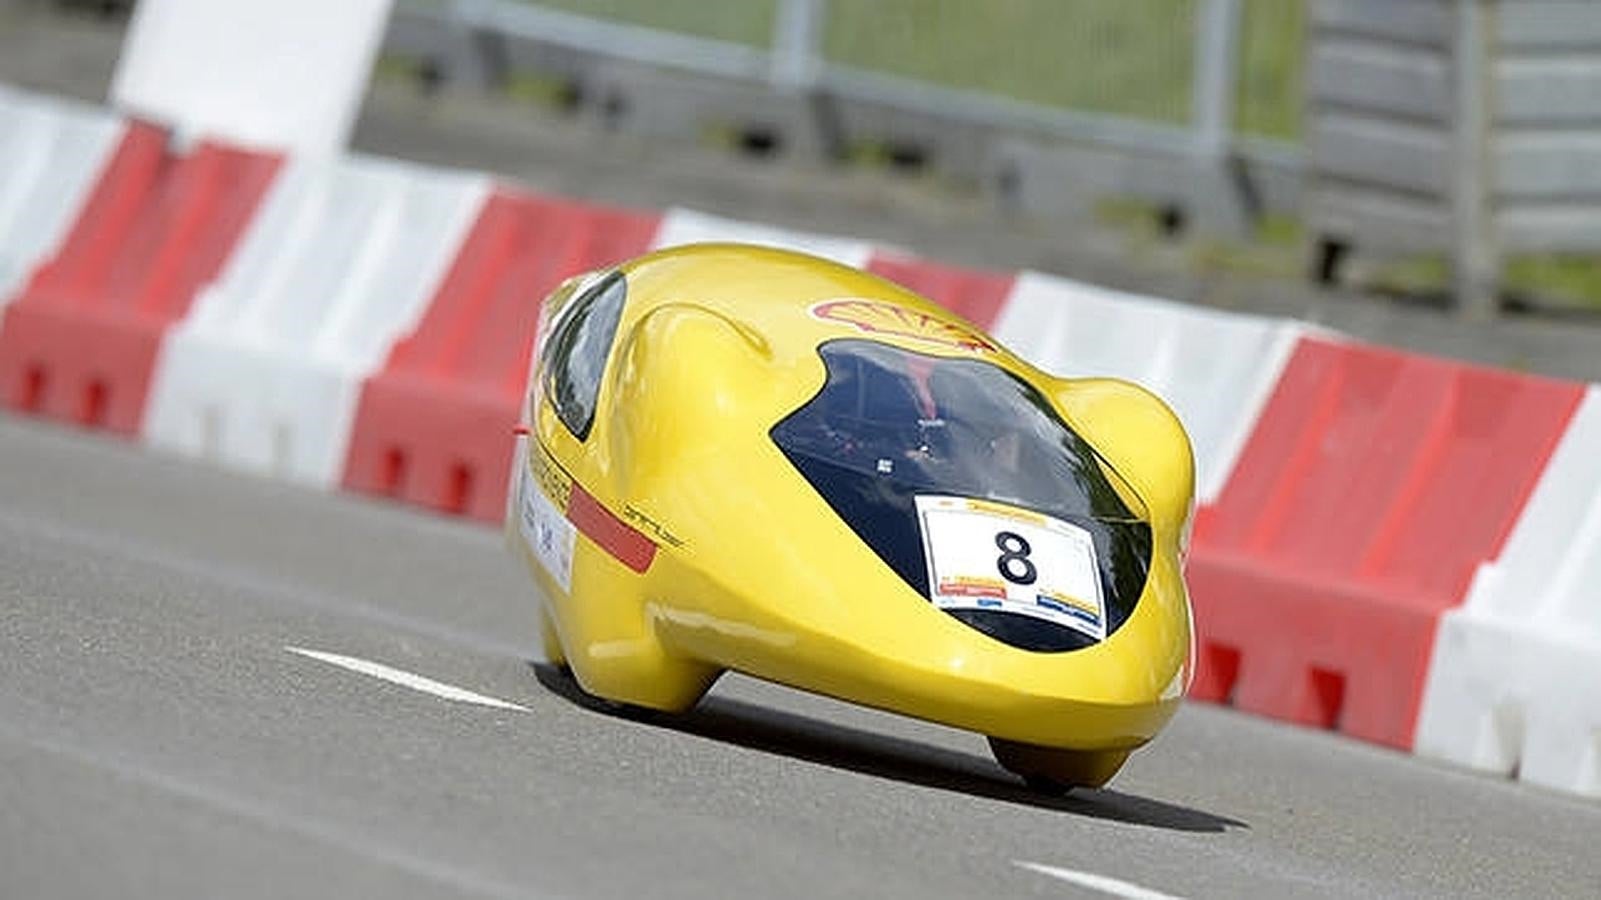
(888, 318)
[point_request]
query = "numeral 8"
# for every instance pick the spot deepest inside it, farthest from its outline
(1014, 564)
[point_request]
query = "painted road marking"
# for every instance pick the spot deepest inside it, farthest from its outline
(1095, 882)
(405, 679)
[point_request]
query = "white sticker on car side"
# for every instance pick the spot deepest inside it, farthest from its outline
(548, 533)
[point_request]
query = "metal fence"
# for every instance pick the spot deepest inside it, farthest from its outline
(1134, 59)
(1079, 68)
(1405, 134)
(1168, 78)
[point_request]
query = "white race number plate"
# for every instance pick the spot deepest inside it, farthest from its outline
(984, 555)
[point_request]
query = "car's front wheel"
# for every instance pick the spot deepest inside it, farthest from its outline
(1054, 770)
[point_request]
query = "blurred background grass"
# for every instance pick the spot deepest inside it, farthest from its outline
(1125, 57)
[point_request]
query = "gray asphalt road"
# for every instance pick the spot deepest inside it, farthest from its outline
(157, 739)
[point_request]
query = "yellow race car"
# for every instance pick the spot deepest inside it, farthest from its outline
(751, 459)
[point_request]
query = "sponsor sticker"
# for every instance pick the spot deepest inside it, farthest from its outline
(986, 555)
(548, 533)
(876, 317)
(551, 478)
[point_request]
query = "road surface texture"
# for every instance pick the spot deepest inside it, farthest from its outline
(189, 707)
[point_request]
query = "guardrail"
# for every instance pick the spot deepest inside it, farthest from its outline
(795, 90)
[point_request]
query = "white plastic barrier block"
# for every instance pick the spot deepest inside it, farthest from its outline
(1514, 685)
(265, 373)
(1215, 369)
(687, 226)
(51, 154)
(289, 74)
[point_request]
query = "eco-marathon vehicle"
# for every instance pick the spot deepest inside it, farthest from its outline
(752, 459)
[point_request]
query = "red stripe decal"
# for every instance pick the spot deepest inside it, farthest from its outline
(630, 547)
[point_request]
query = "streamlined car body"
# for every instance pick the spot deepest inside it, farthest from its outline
(751, 459)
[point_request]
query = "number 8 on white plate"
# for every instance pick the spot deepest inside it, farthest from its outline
(990, 556)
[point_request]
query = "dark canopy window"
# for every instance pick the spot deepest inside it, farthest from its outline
(575, 352)
(890, 424)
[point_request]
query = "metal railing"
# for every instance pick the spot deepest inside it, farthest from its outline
(1157, 75)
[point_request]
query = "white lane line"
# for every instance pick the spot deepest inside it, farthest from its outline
(1102, 883)
(405, 679)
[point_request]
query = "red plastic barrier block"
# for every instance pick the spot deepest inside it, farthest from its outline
(81, 339)
(1373, 486)
(974, 295)
(434, 426)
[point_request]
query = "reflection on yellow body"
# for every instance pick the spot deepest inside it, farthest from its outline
(672, 536)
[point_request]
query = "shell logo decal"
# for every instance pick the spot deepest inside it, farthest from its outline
(887, 318)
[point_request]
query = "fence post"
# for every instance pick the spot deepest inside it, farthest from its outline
(1217, 67)
(476, 58)
(797, 44)
(1475, 248)
(1223, 198)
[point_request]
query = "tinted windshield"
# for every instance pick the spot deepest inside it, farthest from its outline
(890, 425)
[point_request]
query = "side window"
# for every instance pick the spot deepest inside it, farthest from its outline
(576, 352)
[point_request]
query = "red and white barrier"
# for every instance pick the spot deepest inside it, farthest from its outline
(80, 341)
(51, 151)
(264, 374)
(1372, 486)
(368, 324)
(1515, 684)
(434, 423)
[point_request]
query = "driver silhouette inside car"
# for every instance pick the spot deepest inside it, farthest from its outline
(892, 419)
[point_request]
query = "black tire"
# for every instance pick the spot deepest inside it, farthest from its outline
(1053, 771)
(1046, 787)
